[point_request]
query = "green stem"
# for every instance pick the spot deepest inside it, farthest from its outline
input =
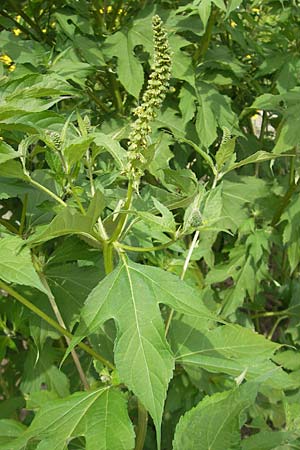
(261, 138)
(270, 314)
(123, 217)
(108, 256)
(205, 41)
(201, 152)
(23, 216)
(53, 323)
(61, 322)
(47, 191)
(143, 249)
(9, 226)
(184, 269)
(141, 428)
(97, 100)
(277, 322)
(35, 26)
(77, 199)
(284, 203)
(117, 95)
(18, 25)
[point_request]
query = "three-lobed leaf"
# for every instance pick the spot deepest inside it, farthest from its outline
(131, 295)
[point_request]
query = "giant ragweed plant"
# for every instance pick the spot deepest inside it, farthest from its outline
(156, 320)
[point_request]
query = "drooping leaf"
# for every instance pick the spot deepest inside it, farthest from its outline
(215, 422)
(130, 295)
(100, 416)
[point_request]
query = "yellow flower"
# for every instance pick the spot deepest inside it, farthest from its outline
(233, 24)
(16, 31)
(256, 10)
(6, 60)
(108, 10)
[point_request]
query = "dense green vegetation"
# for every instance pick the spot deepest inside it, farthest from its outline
(149, 225)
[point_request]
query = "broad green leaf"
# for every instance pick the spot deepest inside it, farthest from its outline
(165, 222)
(70, 285)
(255, 158)
(40, 372)
(16, 264)
(7, 152)
(220, 4)
(291, 232)
(12, 169)
(214, 111)
(232, 5)
(70, 221)
(113, 147)
(75, 150)
(215, 422)
(130, 70)
(204, 9)
(181, 62)
(229, 349)
(289, 135)
(9, 430)
(130, 295)
(100, 416)
(271, 440)
(187, 100)
(206, 124)
(225, 152)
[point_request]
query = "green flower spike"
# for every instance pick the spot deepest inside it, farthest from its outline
(153, 97)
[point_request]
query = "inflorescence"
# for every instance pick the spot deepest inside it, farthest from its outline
(153, 97)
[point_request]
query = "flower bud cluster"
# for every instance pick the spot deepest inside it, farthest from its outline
(152, 100)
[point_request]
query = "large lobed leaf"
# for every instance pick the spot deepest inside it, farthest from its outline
(100, 416)
(131, 295)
